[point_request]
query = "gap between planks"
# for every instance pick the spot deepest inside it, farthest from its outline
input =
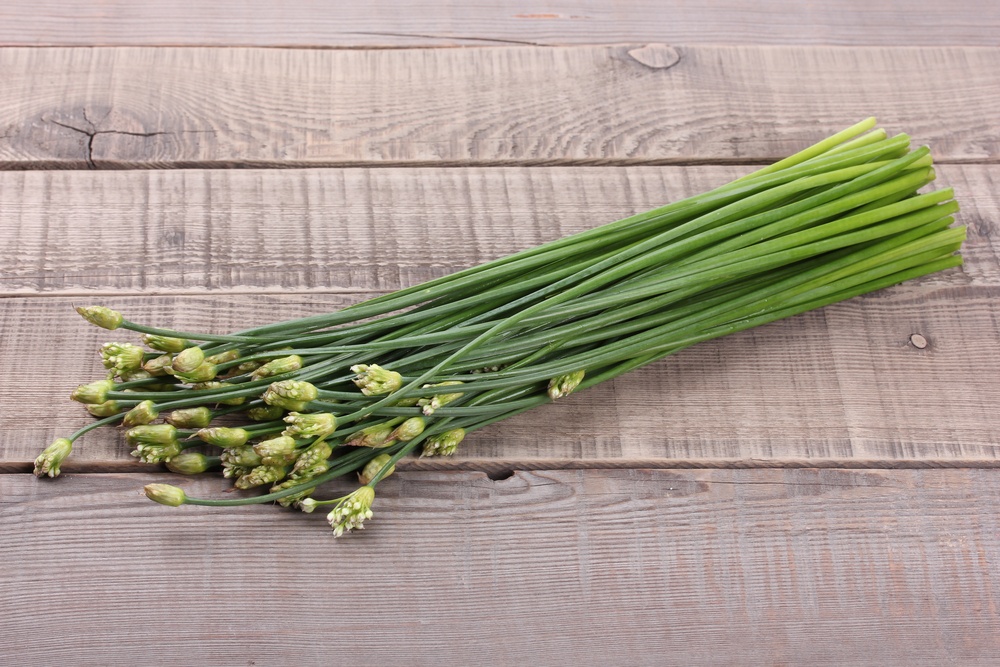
(499, 469)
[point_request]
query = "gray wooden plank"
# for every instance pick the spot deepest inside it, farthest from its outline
(383, 23)
(638, 567)
(843, 384)
(176, 107)
(146, 232)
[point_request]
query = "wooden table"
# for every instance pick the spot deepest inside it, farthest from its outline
(818, 491)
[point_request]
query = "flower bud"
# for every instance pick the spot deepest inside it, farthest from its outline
(373, 467)
(406, 402)
(276, 451)
(204, 373)
(564, 385)
(157, 366)
(429, 405)
(132, 376)
(308, 505)
(143, 413)
(164, 343)
(263, 474)
(374, 380)
(151, 434)
(409, 429)
(224, 436)
(101, 316)
(377, 435)
(249, 366)
(311, 457)
(165, 494)
(292, 395)
(189, 463)
(95, 392)
(443, 444)
(315, 425)
(105, 409)
(207, 386)
(294, 498)
(241, 456)
(51, 458)
(187, 360)
(265, 413)
(154, 453)
(223, 357)
(278, 367)
(122, 357)
(351, 512)
(190, 417)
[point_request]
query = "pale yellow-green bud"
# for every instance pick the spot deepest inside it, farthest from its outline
(151, 434)
(48, 462)
(190, 417)
(314, 455)
(189, 463)
(157, 366)
(315, 425)
(164, 343)
(263, 474)
(351, 512)
(122, 357)
(276, 451)
(131, 376)
(294, 498)
(224, 436)
(406, 402)
(429, 405)
(308, 505)
(241, 456)
(409, 429)
(223, 357)
(206, 386)
(373, 380)
(249, 366)
(95, 392)
(165, 494)
(204, 373)
(151, 453)
(155, 443)
(376, 436)
(187, 360)
(373, 467)
(564, 385)
(101, 316)
(278, 366)
(265, 413)
(443, 444)
(143, 413)
(105, 409)
(292, 395)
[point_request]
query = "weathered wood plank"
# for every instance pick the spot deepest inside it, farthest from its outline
(817, 567)
(176, 107)
(384, 23)
(842, 384)
(142, 232)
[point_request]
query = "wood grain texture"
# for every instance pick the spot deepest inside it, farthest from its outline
(351, 230)
(840, 384)
(177, 107)
(383, 23)
(637, 567)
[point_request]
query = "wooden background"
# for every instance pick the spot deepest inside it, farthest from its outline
(816, 491)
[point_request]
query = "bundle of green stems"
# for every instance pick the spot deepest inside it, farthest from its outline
(298, 403)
